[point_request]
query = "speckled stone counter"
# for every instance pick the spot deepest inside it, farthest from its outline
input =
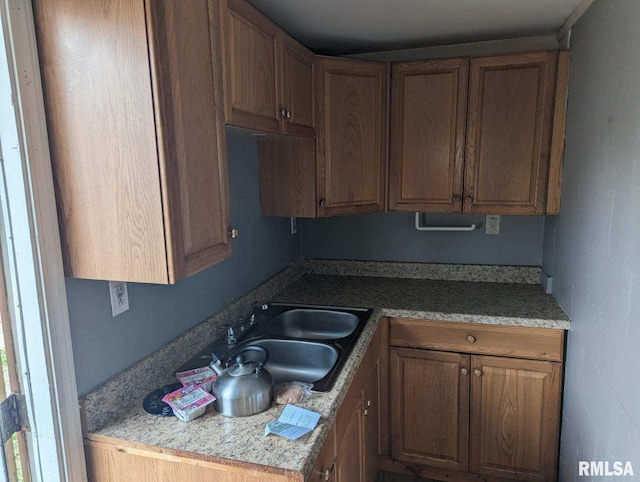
(488, 303)
(240, 441)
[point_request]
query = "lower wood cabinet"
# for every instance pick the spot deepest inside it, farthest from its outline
(356, 429)
(462, 415)
(430, 407)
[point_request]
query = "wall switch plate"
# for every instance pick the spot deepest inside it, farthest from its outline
(492, 224)
(119, 297)
(294, 225)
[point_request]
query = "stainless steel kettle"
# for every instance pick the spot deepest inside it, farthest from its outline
(244, 388)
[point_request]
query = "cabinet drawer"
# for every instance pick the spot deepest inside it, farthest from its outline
(513, 341)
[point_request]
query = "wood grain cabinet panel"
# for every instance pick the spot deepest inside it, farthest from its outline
(428, 114)
(469, 416)
(515, 415)
(324, 468)
(430, 408)
(351, 142)
(509, 133)
(475, 135)
(298, 91)
(137, 138)
(251, 78)
(268, 75)
(343, 171)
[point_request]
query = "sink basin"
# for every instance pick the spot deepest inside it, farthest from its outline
(306, 343)
(313, 324)
(304, 361)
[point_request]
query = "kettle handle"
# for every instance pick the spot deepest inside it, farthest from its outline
(265, 354)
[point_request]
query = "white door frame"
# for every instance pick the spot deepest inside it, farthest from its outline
(33, 261)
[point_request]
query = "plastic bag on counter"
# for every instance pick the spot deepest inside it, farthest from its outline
(292, 392)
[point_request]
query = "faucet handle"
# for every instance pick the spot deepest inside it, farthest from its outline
(231, 335)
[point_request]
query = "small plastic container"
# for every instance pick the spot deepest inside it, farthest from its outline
(189, 403)
(203, 377)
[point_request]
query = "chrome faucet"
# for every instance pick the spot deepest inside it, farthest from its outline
(231, 335)
(248, 322)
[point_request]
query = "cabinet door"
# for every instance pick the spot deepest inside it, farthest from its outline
(100, 117)
(371, 425)
(324, 469)
(349, 459)
(428, 115)
(430, 408)
(508, 133)
(298, 93)
(515, 417)
(351, 136)
(250, 58)
(191, 135)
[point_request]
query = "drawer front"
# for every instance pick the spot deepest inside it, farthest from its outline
(513, 341)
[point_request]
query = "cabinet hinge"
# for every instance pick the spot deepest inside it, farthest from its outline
(13, 416)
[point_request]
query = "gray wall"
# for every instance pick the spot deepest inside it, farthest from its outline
(593, 248)
(103, 345)
(393, 237)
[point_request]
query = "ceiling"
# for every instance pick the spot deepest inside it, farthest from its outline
(341, 27)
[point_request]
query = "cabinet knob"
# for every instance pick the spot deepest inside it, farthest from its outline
(477, 372)
(471, 339)
(365, 412)
(323, 203)
(288, 114)
(368, 403)
(464, 371)
(457, 199)
(234, 233)
(283, 113)
(468, 199)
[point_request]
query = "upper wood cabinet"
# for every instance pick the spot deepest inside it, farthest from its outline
(343, 171)
(352, 136)
(268, 74)
(298, 93)
(499, 162)
(509, 133)
(428, 120)
(136, 127)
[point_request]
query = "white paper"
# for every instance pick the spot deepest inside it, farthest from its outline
(294, 422)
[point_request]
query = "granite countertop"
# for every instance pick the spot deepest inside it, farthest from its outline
(487, 303)
(241, 441)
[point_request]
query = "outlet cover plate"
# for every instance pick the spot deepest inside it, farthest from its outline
(119, 297)
(492, 224)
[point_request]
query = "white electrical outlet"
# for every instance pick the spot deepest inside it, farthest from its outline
(119, 297)
(492, 224)
(294, 225)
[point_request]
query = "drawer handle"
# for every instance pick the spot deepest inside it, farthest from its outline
(464, 371)
(477, 372)
(471, 339)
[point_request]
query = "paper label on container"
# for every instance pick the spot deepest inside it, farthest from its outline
(294, 422)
